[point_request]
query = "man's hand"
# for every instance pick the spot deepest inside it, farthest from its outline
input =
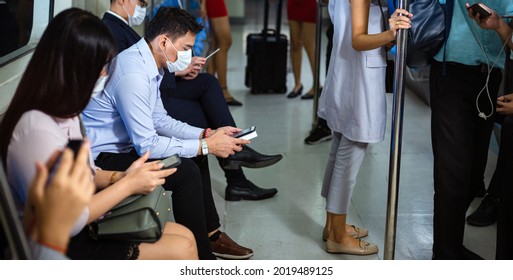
(222, 144)
(192, 71)
(492, 22)
(505, 104)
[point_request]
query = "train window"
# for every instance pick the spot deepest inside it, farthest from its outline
(21, 25)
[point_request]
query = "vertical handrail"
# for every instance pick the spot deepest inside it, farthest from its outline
(317, 60)
(396, 141)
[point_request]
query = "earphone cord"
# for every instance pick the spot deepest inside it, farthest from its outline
(489, 71)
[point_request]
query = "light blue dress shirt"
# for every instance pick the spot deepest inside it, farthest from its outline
(129, 112)
(462, 46)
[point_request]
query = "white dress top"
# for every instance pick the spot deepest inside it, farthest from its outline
(353, 100)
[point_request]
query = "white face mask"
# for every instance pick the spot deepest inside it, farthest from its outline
(138, 17)
(181, 63)
(100, 85)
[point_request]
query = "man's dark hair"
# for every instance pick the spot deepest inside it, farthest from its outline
(173, 22)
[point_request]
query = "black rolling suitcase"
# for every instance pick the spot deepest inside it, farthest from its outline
(266, 68)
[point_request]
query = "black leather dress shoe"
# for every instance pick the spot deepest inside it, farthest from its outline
(469, 255)
(247, 191)
(249, 158)
(486, 213)
(465, 254)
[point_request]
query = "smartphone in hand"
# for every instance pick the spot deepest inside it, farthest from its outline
(247, 134)
(171, 162)
(212, 53)
(74, 145)
(481, 9)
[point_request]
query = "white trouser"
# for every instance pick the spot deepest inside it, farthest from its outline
(344, 162)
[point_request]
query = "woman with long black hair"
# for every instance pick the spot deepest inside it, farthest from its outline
(68, 65)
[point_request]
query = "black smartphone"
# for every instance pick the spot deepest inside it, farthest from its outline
(74, 145)
(245, 132)
(481, 9)
(171, 162)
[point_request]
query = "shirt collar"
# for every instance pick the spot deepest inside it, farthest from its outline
(149, 61)
(118, 16)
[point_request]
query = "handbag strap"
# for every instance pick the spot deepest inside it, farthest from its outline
(385, 25)
(449, 7)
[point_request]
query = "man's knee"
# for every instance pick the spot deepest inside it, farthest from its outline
(208, 79)
(187, 175)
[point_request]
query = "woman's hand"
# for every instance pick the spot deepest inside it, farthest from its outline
(400, 19)
(143, 177)
(138, 163)
(57, 204)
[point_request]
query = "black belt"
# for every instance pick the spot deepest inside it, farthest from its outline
(481, 68)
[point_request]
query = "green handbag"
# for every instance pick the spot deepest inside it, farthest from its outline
(138, 218)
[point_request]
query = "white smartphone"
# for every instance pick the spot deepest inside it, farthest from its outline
(212, 53)
(171, 162)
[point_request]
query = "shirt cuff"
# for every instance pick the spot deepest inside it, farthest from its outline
(190, 148)
(193, 133)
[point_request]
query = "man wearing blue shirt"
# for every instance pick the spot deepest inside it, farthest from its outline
(197, 99)
(463, 104)
(128, 118)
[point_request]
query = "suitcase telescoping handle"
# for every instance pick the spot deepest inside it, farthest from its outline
(266, 29)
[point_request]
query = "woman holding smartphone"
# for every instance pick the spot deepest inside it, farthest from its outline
(68, 64)
(354, 105)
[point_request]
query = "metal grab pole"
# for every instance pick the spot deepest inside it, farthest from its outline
(317, 60)
(396, 141)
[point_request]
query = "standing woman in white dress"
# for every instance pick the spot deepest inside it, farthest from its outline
(353, 103)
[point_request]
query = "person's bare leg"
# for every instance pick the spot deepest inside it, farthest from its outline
(308, 39)
(296, 49)
(337, 231)
(222, 35)
(328, 221)
(177, 243)
(349, 228)
(211, 68)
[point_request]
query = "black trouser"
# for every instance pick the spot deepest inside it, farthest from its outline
(200, 103)
(460, 140)
(193, 204)
(329, 33)
(504, 250)
(500, 171)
